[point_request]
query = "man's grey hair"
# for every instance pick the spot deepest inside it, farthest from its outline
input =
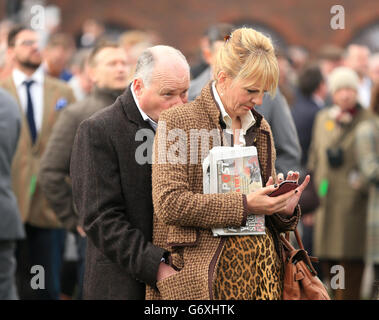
(147, 60)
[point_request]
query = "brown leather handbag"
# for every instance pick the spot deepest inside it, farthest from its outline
(300, 277)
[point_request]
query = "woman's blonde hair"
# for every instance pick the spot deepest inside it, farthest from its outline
(249, 55)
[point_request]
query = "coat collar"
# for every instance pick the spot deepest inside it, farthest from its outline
(107, 95)
(131, 110)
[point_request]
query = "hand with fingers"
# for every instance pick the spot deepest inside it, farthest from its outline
(259, 202)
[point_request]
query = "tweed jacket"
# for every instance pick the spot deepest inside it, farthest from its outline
(112, 193)
(340, 228)
(32, 203)
(54, 171)
(183, 215)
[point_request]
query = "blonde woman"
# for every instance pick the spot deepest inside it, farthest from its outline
(233, 267)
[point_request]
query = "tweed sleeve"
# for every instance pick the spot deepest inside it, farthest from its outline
(177, 198)
(284, 223)
(55, 168)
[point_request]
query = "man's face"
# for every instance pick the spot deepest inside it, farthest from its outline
(26, 50)
(327, 66)
(110, 69)
(57, 58)
(345, 98)
(168, 87)
(358, 60)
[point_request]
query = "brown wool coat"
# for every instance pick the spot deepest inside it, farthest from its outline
(183, 215)
(33, 206)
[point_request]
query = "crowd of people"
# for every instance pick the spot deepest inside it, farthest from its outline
(75, 199)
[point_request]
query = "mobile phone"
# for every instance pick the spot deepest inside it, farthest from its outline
(284, 187)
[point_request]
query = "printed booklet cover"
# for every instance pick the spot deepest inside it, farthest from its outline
(234, 169)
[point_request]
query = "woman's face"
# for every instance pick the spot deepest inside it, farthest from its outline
(238, 98)
(345, 98)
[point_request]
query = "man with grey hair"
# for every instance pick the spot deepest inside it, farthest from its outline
(112, 189)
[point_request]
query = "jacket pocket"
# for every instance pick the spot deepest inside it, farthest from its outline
(182, 236)
(176, 287)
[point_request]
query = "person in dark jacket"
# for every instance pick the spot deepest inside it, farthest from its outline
(111, 179)
(310, 98)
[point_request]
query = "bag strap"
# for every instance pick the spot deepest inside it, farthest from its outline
(290, 247)
(297, 236)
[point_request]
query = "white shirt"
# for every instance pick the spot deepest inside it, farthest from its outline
(364, 92)
(36, 93)
(246, 122)
(318, 101)
(74, 83)
(145, 117)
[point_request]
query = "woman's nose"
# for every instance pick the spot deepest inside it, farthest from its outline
(258, 100)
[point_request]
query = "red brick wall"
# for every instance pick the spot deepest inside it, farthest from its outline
(181, 22)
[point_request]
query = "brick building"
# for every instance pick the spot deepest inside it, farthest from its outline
(182, 22)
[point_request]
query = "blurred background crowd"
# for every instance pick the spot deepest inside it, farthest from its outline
(329, 82)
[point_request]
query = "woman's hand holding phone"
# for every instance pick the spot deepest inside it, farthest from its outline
(294, 199)
(283, 198)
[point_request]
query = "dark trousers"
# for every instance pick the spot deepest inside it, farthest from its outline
(81, 244)
(8, 289)
(375, 285)
(43, 247)
(72, 275)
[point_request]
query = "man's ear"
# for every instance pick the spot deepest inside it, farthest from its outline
(138, 87)
(10, 53)
(91, 73)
